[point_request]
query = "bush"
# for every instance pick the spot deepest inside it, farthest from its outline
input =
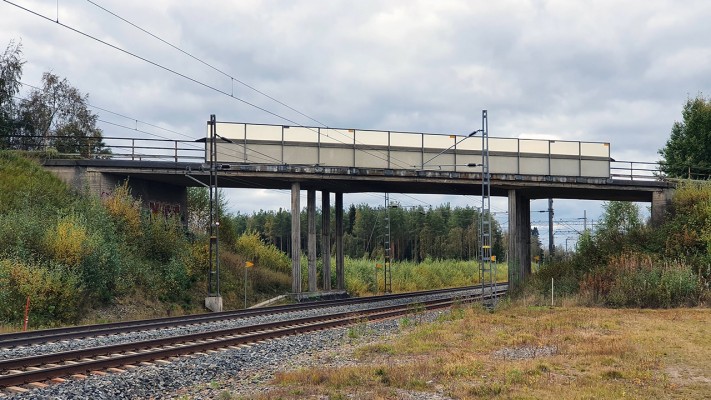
(125, 211)
(69, 242)
(22, 232)
(634, 280)
(163, 237)
(250, 246)
(55, 293)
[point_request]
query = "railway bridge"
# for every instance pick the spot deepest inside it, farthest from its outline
(342, 161)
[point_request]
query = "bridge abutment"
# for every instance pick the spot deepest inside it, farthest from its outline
(661, 202)
(158, 197)
(519, 249)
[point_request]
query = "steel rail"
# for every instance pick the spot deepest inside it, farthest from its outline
(76, 332)
(177, 346)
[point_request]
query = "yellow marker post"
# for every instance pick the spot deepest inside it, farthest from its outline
(247, 264)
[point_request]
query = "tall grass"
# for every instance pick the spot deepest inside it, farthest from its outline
(365, 276)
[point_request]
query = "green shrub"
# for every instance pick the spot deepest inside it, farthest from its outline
(634, 280)
(125, 211)
(250, 246)
(69, 242)
(163, 237)
(55, 293)
(22, 232)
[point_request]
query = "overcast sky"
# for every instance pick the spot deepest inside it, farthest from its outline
(610, 71)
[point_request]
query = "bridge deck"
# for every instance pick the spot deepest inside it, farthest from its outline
(355, 180)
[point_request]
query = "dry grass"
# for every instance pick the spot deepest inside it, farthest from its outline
(527, 352)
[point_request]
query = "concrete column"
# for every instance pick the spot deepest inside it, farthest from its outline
(340, 276)
(311, 220)
(295, 237)
(326, 239)
(519, 250)
(661, 201)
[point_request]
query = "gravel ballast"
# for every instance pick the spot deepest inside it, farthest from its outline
(182, 375)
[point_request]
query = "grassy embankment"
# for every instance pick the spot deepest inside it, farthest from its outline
(523, 352)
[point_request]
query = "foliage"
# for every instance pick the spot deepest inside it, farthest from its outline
(633, 280)
(125, 211)
(250, 246)
(55, 292)
(416, 233)
(25, 185)
(164, 238)
(10, 74)
(687, 153)
(199, 216)
(407, 276)
(69, 242)
(627, 264)
(55, 116)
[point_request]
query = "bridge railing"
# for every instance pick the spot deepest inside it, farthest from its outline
(277, 144)
(329, 147)
(636, 171)
(121, 148)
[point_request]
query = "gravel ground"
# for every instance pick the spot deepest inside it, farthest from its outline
(199, 377)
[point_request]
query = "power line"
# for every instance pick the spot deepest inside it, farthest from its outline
(206, 63)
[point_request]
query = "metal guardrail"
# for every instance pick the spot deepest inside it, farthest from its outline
(636, 171)
(120, 148)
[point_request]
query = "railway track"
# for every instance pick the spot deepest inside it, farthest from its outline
(21, 374)
(13, 339)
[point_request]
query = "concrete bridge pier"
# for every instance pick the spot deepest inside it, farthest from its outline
(311, 240)
(519, 259)
(340, 276)
(296, 237)
(326, 239)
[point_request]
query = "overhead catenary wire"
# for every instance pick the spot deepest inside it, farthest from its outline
(232, 77)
